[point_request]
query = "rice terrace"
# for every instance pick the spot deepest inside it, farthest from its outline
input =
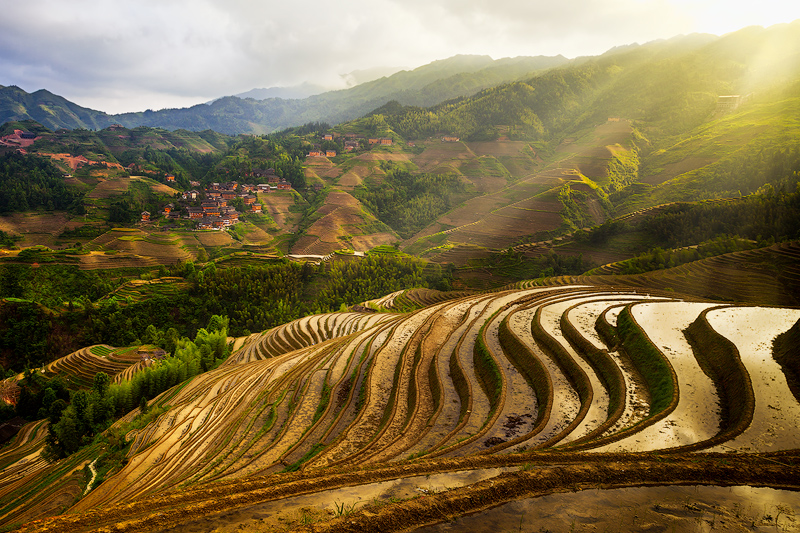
(535, 294)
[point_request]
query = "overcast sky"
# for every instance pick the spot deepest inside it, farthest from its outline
(124, 55)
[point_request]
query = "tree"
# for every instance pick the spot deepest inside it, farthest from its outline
(143, 405)
(68, 432)
(101, 383)
(55, 410)
(218, 323)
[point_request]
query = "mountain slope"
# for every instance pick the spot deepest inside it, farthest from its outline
(48, 109)
(426, 85)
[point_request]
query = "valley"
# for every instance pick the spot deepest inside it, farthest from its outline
(540, 297)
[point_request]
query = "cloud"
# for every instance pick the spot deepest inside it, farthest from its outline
(129, 55)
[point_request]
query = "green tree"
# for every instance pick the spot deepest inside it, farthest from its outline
(143, 405)
(101, 383)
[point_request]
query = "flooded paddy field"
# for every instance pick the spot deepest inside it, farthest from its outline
(698, 508)
(280, 515)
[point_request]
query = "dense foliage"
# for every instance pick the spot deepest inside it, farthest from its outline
(48, 317)
(88, 413)
(408, 202)
(32, 183)
(658, 258)
(514, 265)
(127, 208)
(686, 232)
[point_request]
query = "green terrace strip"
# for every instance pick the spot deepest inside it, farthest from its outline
(650, 362)
(606, 369)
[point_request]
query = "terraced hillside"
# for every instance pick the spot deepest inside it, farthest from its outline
(78, 368)
(582, 374)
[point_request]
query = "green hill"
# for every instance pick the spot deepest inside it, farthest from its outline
(48, 109)
(426, 85)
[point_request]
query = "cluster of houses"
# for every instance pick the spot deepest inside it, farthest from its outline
(352, 141)
(214, 211)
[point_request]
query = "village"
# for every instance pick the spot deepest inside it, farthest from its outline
(349, 143)
(211, 208)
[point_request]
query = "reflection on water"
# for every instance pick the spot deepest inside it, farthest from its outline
(651, 509)
(320, 505)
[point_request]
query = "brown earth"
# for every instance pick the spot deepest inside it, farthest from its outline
(362, 243)
(74, 162)
(256, 235)
(214, 238)
(277, 206)
(21, 223)
(341, 198)
(110, 188)
(610, 132)
(498, 148)
(157, 187)
(490, 220)
(98, 260)
(350, 180)
(341, 216)
(357, 174)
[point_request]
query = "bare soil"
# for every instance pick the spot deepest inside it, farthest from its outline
(362, 243)
(34, 223)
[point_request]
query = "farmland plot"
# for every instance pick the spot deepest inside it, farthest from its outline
(696, 417)
(598, 410)
(636, 400)
(775, 419)
(383, 391)
(474, 380)
(447, 415)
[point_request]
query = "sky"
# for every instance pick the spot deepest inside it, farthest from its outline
(124, 55)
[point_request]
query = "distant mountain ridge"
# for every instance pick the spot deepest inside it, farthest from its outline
(295, 92)
(48, 109)
(304, 90)
(423, 86)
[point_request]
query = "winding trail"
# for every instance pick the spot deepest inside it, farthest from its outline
(94, 476)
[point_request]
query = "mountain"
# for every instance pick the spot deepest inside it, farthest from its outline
(304, 90)
(556, 150)
(48, 109)
(426, 85)
(687, 119)
(296, 92)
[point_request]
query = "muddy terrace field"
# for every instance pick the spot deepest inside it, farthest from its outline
(562, 388)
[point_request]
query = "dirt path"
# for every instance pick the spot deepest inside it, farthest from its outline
(94, 476)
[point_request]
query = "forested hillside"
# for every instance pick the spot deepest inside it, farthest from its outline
(426, 85)
(54, 309)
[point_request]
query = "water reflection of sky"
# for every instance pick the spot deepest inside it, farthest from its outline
(668, 508)
(356, 495)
